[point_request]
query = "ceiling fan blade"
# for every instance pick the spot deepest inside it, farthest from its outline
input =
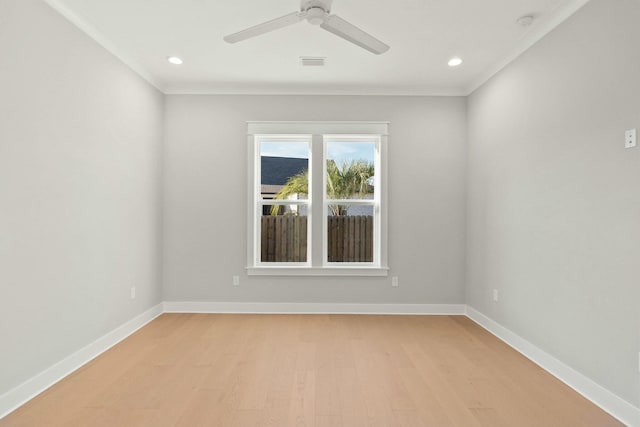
(341, 28)
(265, 27)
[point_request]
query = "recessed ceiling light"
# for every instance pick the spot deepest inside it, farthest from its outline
(455, 61)
(174, 60)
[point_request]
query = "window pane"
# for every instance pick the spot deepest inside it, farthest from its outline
(284, 170)
(283, 233)
(350, 233)
(350, 170)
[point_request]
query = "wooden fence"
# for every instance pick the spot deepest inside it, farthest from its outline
(350, 238)
(284, 238)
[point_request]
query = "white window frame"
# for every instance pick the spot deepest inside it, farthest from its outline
(375, 202)
(319, 133)
(259, 202)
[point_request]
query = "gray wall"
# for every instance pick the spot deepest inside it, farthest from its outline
(205, 200)
(553, 204)
(554, 198)
(80, 140)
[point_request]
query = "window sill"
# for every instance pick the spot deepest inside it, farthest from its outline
(324, 271)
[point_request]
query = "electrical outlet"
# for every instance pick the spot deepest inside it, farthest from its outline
(133, 292)
(630, 138)
(496, 296)
(236, 280)
(394, 281)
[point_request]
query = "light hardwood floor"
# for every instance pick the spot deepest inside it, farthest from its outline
(310, 370)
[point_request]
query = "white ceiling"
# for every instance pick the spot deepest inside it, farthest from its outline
(423, 35)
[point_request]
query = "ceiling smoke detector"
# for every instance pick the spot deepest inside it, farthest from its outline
(525, 21)
(312, 61)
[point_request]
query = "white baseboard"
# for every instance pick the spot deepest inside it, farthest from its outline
(310, 308)
(608, 401)
(19, 395)
(617, 407)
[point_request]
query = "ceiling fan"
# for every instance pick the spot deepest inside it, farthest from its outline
(316, 12)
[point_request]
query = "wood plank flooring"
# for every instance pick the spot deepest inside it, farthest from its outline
(310, 370)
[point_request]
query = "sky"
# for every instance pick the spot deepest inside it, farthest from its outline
(340, 152)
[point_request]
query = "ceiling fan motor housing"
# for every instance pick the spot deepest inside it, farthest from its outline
(325, 5)
(316, 15)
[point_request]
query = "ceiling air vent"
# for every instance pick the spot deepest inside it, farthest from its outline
(312, 61)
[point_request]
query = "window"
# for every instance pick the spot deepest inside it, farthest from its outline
(351, 199)
(317, 198)
(283, 199)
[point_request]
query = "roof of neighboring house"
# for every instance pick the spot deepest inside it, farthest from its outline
(277, 170)
(270, 189)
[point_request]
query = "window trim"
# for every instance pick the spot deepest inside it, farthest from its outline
(316, 264)
(375, 202)
(259, 202)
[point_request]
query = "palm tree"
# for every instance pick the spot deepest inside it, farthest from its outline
(296, 184)
(349, 181)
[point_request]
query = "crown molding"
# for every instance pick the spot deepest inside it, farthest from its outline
(274, 90)
(561, 14)
(99, 38)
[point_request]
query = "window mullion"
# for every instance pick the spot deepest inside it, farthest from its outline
(317, 168)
